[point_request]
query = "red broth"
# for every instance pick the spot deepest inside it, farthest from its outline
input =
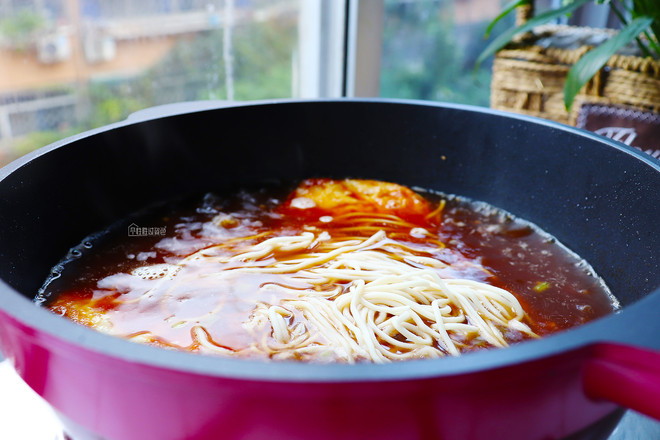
(96, 284)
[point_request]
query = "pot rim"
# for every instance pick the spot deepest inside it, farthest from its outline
(70, 336)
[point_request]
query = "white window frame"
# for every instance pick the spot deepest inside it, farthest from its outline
(365, 22)
(339, 48)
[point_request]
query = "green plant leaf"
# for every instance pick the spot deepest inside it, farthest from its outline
(506, 10)
(595, 59)
(650, 8)
(504, 38)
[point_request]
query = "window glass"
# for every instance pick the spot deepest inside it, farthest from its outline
(430, 48)
(71, 65)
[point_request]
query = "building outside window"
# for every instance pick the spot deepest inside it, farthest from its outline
(71, 65)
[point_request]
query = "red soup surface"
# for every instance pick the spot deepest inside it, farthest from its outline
(328, 270)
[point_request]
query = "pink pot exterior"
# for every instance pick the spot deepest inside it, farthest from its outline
(121, 400)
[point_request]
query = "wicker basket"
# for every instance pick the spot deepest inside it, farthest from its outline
(529, 78)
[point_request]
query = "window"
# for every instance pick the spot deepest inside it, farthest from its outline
(71, 65)
(430, 47)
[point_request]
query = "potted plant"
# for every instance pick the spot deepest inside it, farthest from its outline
(640, 25)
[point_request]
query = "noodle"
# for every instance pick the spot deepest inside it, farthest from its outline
(335, 277)
(368, 302)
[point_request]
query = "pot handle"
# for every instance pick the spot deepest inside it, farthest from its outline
(626, 375)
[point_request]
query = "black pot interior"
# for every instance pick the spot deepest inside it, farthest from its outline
(598, 198)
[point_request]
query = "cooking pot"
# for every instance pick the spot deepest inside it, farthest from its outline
(598, 197)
